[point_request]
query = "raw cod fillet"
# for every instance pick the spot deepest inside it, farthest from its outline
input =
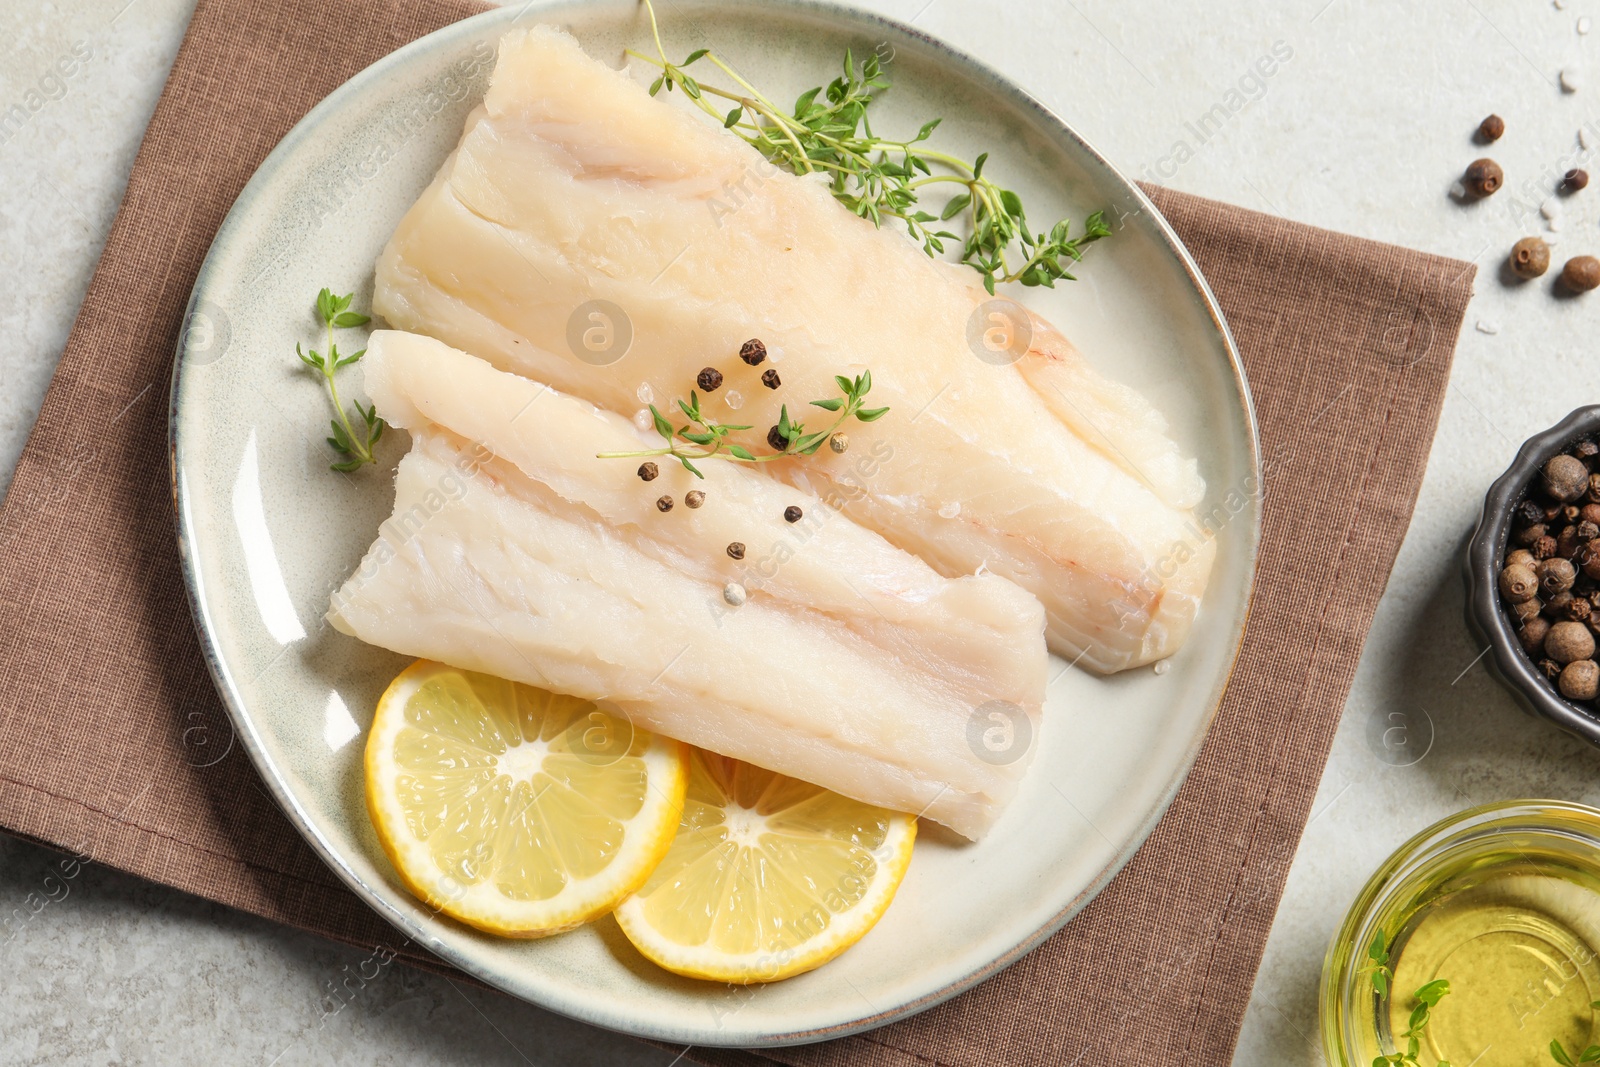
(572, 185)
(514, 551)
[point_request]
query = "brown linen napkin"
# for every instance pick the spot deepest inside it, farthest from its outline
(113, 743)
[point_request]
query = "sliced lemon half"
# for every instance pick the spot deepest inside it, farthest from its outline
(768, 876)
(512, 809)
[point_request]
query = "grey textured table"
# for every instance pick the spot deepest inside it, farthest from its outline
(1363, 128)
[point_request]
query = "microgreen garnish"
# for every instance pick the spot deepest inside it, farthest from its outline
(877, 177)
(335, 313)
(714, 442)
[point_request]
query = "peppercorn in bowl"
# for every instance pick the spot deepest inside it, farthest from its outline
(1533, 574)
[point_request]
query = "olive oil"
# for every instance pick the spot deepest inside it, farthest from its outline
(1516, 933)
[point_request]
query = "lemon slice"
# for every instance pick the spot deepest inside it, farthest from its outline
(768, 877)
(514, 810)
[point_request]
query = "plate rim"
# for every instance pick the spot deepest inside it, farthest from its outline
(274, 779)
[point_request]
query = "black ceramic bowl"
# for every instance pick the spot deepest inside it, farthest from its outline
(1487, 548)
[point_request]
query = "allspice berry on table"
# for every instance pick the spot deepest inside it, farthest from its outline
(1518, 583)
(1491, 129)
(1580, 680)
(1533, 633)
(1575, 179)
(1530, 257)
(1581, 273)
(1569, 641)
(1565, 477)
(1483, 177)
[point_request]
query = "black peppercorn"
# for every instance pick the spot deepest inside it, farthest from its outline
(694, 498)
(770, 379)
(1567, 543)
(1579, 610)
(1581, 274)
(1575, 179)
(1543, 548)
(664, 504)
(1550, 668)
(709, 379)
(792, 514)
(1529, 512)
(1586, 449)
(1594, 489)
(1491, 129)
(1529, 534)
(1556, 606)
(753, 351)
(776, 439)
(1530, 257)
(648, 471)
(736, 549)
(1483, 177)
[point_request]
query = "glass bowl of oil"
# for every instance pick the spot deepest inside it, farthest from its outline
(1477, 944)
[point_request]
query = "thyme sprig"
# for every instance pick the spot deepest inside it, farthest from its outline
(713, 438)
(828, 131)
(1588, 1055)
(335, 313)
(1427, 998)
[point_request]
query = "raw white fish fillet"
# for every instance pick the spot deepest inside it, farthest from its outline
(514, 551)
(571, 185)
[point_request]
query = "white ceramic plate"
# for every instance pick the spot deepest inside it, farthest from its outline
(267, 532)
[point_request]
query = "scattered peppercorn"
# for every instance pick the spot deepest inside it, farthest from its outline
(1575, 179)
(648, 471)
(792, 514)
(664, 504)
(1581, 273)
(839, 442)
(709, 379)
(694, 498)
(1580, 680)
(1483, 177)
(770, 379)
(1491, 129)
(1530, 257)
(736, 549)
(776, 439)
(753, 351)
(733, 593)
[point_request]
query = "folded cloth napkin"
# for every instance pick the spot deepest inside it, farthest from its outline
(113, 743)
